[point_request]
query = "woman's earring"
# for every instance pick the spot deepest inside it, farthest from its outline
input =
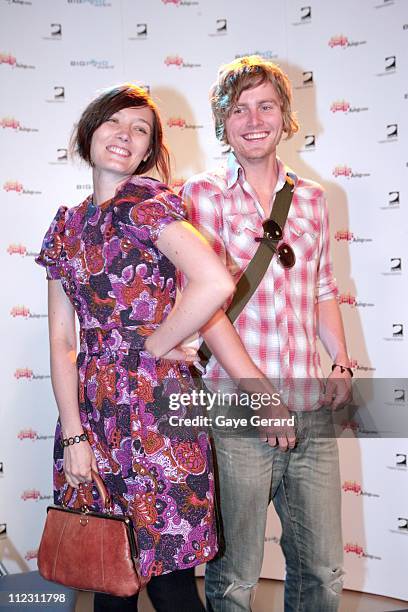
(146, 157)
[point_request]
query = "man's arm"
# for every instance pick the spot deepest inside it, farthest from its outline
(331, 332)
(329, 322)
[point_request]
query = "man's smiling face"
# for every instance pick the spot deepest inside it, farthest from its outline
(254, 126)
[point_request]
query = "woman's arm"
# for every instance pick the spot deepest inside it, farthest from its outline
(227, 347)
(78, 458)
(209, 285)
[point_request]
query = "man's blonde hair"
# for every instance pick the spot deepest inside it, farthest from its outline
(245, 73)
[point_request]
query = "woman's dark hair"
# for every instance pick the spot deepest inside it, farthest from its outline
(109, 103)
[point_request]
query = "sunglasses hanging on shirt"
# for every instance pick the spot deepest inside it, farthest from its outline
(272, 234)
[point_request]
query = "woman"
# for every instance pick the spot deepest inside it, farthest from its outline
(112, 260)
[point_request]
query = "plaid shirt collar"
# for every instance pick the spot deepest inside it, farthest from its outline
(235, 173)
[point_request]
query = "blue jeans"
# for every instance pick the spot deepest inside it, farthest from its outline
(304, 486)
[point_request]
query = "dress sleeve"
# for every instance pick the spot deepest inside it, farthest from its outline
(157, 212)
(51, 247)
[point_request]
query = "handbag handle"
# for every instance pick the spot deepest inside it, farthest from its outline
(102, 490)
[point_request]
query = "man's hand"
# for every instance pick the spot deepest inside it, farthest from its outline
(338, 389)
(284, 435)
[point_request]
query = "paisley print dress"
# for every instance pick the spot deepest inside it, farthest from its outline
(122, 287)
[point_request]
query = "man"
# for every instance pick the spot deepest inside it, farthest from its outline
(251, 103)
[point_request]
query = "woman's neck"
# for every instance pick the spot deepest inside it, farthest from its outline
(105, 185)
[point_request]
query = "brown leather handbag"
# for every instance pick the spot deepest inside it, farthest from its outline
(90, 551)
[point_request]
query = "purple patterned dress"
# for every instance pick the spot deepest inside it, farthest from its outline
(122, 287)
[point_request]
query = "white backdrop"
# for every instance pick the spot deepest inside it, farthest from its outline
(348, 64)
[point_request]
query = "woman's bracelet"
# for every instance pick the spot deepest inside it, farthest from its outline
(75, 439)
(343, 369)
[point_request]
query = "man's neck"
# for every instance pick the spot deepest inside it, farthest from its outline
(262, 175)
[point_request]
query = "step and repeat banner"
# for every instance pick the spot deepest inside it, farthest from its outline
(348, 65)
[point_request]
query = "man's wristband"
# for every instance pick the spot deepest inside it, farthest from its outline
(74, 439)
(343, 369)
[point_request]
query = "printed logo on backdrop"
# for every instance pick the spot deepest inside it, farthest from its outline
(391, 133)
(97, 3)
(61, 157)
(31, 434)
(397, 333)
(354, 487)
(347, 236)
(344, 42)
(220, 28)
(384, 4)
(305, 16)
(400, 463)
(355, 365)
(395, 267)
(19, 2)
(347, 172)
(309, 144)
(20, 249)
(176, 60)
(398, 398)
(141, 32)
(356, 549)
(11, 123)
(350, 300)
(17, 187)
(401, 526)
(31, 554)
(84, 186)
(306, 80)
(179, 122)
(55, 32)
(393, 201)
(390, 66)
(57, 95)
(33, 494)
(8, 59)
(181, 2)
(25, 313)
(344, 107)
(401, 460)
(98, 64)
(27, 374)
(267, 54)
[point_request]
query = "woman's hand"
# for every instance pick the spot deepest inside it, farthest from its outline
(178, 353)
(78, 462)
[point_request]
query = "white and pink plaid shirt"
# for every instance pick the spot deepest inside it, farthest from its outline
(278, 325)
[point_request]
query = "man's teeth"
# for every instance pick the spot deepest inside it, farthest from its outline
(256, 136)
(119, 151)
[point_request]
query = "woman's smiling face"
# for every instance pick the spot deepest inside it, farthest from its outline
(120, 143)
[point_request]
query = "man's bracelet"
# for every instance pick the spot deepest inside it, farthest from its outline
(74, 439)
(342, 369)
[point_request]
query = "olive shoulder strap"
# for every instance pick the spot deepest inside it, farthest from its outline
(258, 265)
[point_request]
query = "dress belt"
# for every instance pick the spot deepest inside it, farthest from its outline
(96, 340)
